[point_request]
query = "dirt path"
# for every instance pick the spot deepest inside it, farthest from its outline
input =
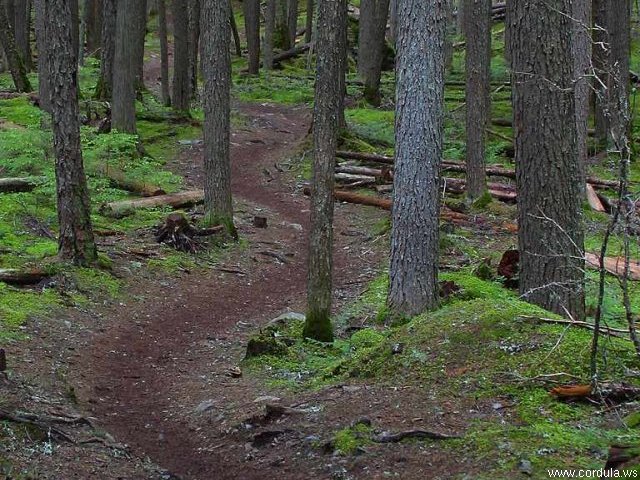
(168, 351)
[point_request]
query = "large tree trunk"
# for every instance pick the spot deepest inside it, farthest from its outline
(419, 129)
(180, 97)
(8, 43)
(93, 26)
(601, 59)
(75, 26)
(123, 112)
(619, 22)
(75, 242)
(269, 26)
(194, 45)
(22, 29)
(328, 94)
(282, 39)
(478, 100)
(164, 53)
(138, 10)
(104, 88)
(43, 58)
(581, 48)
(252, 31)
(373, 24)
(549, 180)
(216, 69)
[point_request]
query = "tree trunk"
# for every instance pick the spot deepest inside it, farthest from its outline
(309, 22)
(549, 180)
(104, 88)
(328, 93)
(619, 21)
(75, 242)
(164, 53)
(22, 29)
(393, 20)
(75, 26)
(478, 100)
(419, 128)
(216, 69)
(43, 58)
(292, 20)
(138, 10)
(282, 38)
(180, 97)
(123, 111)
(373, 24)
(234, 30)
(252, 31)
(8, 43)
(93, 10)
(601, 60)
(581, 46)
(269, 25)
(194, 45)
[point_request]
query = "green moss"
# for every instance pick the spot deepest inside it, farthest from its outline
(318, 326)
(17, 306)
(348, 440)
(366, 338)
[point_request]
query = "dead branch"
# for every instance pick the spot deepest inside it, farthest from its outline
(614, 332)
(174, 200)
(387, 437)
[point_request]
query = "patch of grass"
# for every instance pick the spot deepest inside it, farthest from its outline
(17, 306)
(348, 440)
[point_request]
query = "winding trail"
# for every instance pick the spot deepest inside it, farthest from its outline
(169, 349)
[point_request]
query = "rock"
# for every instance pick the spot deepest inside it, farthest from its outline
(285, 318)
(234, 372)
(525, 467)
(204, 406)
(267, 398)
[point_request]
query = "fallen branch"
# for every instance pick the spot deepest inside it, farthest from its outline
(387, 437)
(46, 428)
(22, 277)
(174, 200)
(614, 265)
(24, 184)
(614, 332)
(294, 52)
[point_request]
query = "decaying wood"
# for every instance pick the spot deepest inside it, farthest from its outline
(614, 265)
(611, 393)
(365, 157)
(613, 332)
(174, 200)
(120, 180)
(505, 193)
(571, 391)
(178, 232)
(24, 184)
(385, 174)
(22, 277)
(294, 52)
(387, 437)
(350, 178)
(594, 200)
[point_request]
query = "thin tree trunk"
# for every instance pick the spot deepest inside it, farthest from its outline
(236, 35)
(93, 10)
(478, 100)
(123, 112)
(216, 66)
(75, 26)
(292, 20)
(194, 45)
(8, 43)
(309, 22)
(420, 72)
(180, 97)
(393, 20)
(75, 241)
(269, 26)
(43, 58)
(619, 22)
(601, 60)
(138, 9)
(549, 179)
(581, 46)
(328, 94)
(252, 32)
(22, 29)
(164, 53)
(282, 38)
(373, 24)
(104, 88)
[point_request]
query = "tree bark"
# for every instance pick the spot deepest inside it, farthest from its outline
(194, 45)
(331, 30)
(373, 24)
(292, 20)
(308, 33)
(234, 31)
(104, 88)
(7, 40)
(75, 26)
(601, 59)
(252, 32)
(478, 76)
(269, 26)
(549, 180)
(75, 242)
(175, 200)
(619, 21)
(123, 111)
(43, 59)
(216, 69)
(420, 72)
(138, 10)
(282, 38)
(93, 10)
(164, 53)
(581, 45)
(22, 29)
(180, 97)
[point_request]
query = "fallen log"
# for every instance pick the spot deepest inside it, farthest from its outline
(383, 174)
(348, 177)
(23, 184)
(120, 180)
(614, 265)
(505, 193)
(22, 277)
(387, 437)
(294, 52)
(365, 157)
(174, 200)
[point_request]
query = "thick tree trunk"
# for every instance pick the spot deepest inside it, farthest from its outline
(180, 97)
(252, 32)
(269, 26)
(93, 10)
(43, 58)
(194, 45)
(75, 26)
(123, 112)
(581, 47)
(75, 242)
(292, 20)
(550, 182)
(328, 94)
(373, 24)
(309, 22)
(104, 88)
(282, 38)
(8, 43)
(478, 100)
(22, 29)
(216, 69)
(413, 271)
(164, 53)
(619, 21)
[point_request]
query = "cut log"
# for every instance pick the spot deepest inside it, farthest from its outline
(22, 277)
(614, 265)
(24, 184)
(505, 193)
(594, 200)
(348, 177)
(385, 174)
(174, 200)
(120, 180)
(365, 157)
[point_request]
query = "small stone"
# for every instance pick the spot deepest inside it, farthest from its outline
(267, 398)
(234, 372)
(351, 388)
(525, 467)
(204, 406)
(497, 406)
(397, 348)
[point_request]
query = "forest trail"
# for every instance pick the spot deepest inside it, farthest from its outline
(167, 352)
